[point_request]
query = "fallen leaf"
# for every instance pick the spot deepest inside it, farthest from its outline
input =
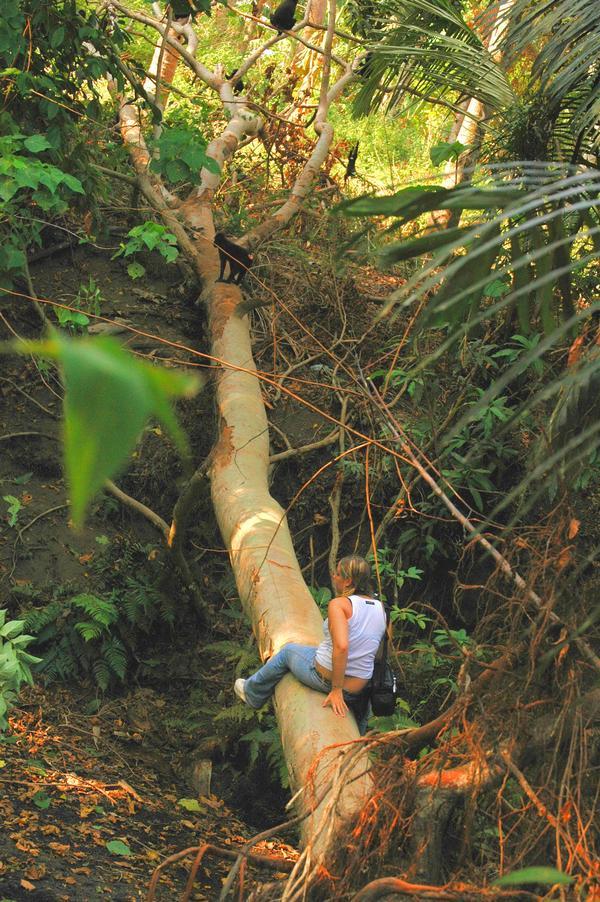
(575, 350)
(190, 804)
(70, 880)
(59, 847)
(117, 847)
(82, 870)
(573, 528)
(86, 558)
(130, 790)
(212, 801)
(35, 871)
(41, 799)
(27, 885)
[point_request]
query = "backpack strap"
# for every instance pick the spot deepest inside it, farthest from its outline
(383, 660)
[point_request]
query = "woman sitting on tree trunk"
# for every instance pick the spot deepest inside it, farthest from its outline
(342, 665)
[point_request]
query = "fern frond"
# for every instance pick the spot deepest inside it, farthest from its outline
(102, 610)
(89, 630)
(101, 673)
(236, 714)
(115, 655)
(38, 619)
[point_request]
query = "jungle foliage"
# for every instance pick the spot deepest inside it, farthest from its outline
(483, 361)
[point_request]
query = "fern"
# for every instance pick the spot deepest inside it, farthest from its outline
(138, 601)
(101, 673)
(236, 714)
(270, 741)
(245, 658)
(59, 661)
(38, 619)
(89, 630)
(101, 610)
(114, 654)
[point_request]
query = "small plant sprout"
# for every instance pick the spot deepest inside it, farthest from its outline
(14, 663)
(14, 508)
(149, 236)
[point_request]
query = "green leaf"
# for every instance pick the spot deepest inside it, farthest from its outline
(117, 847)
(11, 257)
(190, 805)
(36, 143)
(442, 152)
(405, 250)
(109, 396)
(73, 183)
(135, 270)
(57, 37)
(541, 874)
(23, 479)
(496, 289)
(41, 800)
(12, 629)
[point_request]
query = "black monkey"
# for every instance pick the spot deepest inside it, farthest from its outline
(236, 256)
(351, 164)
(284, 16)
(181, 9)
(239, 85)
(366, 66)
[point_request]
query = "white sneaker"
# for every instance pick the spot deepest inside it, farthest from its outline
(238, 688)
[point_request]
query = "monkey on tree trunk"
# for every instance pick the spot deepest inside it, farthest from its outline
(284, 16)
(236, 256)
(238, 87)
(351, 164)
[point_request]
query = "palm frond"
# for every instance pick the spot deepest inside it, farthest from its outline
(531, 225)
(567, 67)
(427, 50)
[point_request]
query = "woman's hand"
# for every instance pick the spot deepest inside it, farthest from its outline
(336, 700)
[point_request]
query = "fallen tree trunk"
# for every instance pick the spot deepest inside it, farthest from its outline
(268, 577)
(331, 786)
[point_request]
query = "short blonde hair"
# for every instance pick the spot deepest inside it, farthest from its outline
(357, 569)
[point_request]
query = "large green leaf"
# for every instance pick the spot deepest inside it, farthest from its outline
(418, 199)
(405, 250)
(540, 874)
(109, 396)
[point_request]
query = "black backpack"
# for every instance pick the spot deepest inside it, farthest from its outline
(384, 683)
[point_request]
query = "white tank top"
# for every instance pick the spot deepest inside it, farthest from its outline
(366, 627)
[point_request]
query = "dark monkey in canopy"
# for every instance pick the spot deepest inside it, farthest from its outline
(284, 16)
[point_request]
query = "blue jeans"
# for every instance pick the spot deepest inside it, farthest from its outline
(300, 660)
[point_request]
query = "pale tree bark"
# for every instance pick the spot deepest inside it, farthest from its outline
(466, 127)
(252, 523)
(307, 61)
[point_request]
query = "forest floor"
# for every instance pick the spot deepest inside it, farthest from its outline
(89, 808)
(92, 782)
